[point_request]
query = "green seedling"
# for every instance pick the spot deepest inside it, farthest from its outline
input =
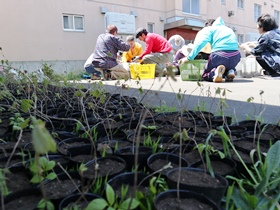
(111, 202)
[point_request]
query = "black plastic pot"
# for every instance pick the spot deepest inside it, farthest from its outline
(105, 169)
(116, 144)
(15, 164)
(66, 184)
(250, 125)
(128, 154)
(204, 116)
(172, 201)
(80, 200)
(23, 198)
(245, 144)
(128, 179)
(215, 193)
(75, 142)
(156, 160)
(28, 149)
(264, 137)
(62, 135)
(272, 129)
(117, 136)
(247, 159)
(235, 130)
(221, 120)
(81, 154)
(228, 165)
(133, 136)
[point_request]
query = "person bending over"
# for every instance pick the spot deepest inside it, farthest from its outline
(157, 51)
(224, 55)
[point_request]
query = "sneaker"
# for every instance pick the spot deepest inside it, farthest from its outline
(220, 70)
(106, 75)
(230, 75)
(95, 77)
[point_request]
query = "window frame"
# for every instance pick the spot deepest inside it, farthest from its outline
(152, 25)
(240, 38)
(223, 2)
(277, 16)
(193, 11)
(257, 15)
(73, 27)
(240, 4)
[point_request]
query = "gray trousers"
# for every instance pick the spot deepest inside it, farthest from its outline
(160, 59)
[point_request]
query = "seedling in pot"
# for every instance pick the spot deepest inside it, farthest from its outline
(111, 202)
(43, 143)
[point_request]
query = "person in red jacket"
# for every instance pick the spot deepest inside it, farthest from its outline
(158, 50)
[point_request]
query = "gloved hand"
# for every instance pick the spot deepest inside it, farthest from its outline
(136, 58)
(183, 60)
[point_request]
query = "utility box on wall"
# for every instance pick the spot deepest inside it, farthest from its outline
(124, 22)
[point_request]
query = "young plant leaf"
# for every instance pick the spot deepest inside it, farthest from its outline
(25, 123)
(26, 104)
(273, 158)
(97, 204)
(36, 179)
(51, 176)
(50, 165)
(110, 195)
(124, 205)
(45, 204)
(42, 140)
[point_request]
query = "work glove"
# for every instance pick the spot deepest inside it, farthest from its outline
(183, 60)
(136, 58)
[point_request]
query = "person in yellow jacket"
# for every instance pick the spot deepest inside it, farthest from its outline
(135, 50)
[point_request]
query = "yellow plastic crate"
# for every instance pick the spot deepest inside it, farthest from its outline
(142, 71)
(192, 70)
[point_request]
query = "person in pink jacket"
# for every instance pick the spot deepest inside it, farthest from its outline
(158, 50)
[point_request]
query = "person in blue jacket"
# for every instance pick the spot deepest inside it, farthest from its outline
(224, 55)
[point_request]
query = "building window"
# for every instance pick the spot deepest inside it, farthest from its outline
(73, 22)
(150, 27)
(257, 12)
(277, 16)
(240, 38)
(191, 6)
(240, 4)
(223, 1)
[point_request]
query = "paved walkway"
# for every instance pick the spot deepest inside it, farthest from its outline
(244, 98)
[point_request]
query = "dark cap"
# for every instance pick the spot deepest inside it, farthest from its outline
(140, 31)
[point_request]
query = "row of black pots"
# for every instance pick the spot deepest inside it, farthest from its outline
(169, 157)
(29, 198)
(168, 128)
(204, 195)
(164, 201)
(119, 140)
(141, 181)
(153, 162)
(83, 147)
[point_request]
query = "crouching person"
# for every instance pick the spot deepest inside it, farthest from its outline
(105, 54)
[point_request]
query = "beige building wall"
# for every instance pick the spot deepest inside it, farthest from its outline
(32, 30)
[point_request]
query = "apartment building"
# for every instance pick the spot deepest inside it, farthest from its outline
(62, 33)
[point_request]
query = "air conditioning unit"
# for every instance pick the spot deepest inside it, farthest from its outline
(230, 13)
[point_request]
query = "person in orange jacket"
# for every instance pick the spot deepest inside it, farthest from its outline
(135, 50)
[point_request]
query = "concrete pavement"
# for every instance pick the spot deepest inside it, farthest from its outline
(244, 98)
